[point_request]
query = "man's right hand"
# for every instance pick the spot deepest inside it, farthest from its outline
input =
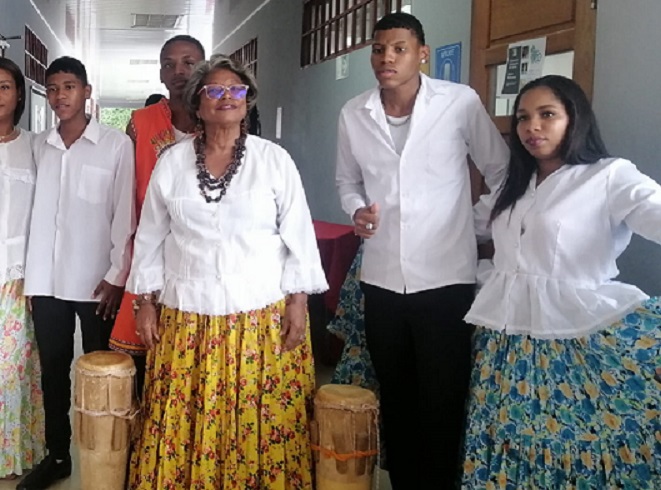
(366, 221)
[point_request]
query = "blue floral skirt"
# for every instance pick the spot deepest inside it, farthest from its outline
(580, 413)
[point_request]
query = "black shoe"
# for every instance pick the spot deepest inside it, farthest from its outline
(45, 474)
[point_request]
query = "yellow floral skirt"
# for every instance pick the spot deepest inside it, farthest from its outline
(224, 406)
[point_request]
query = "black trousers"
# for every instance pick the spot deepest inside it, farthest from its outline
(421, 350)
(54, 326)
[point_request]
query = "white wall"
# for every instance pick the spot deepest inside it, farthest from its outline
(628, 107)
(311, 98)
(15, 15)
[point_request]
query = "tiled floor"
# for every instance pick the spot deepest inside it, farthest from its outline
(324, 374)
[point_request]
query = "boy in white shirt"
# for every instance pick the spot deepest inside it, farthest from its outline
(79, 250)
(403, 177)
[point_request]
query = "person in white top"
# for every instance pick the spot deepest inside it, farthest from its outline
(563, 391)
(79, 249)
(226, 250)
(403, 177)
(22, 442)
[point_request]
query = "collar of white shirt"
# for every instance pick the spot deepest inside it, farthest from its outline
(92, 133)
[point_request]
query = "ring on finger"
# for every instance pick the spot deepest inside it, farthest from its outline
(369, 226)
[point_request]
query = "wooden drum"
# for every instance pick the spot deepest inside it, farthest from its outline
(345, 437)
(104, 407)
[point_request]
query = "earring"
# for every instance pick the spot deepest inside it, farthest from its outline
(423, 61)
(199, 127)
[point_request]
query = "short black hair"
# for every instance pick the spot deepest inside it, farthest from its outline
(19, 80)
(401, 20)
(154, 99)
(67, 64)
(186, 39)
(581, 145)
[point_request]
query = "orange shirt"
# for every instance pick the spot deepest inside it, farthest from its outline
(152, 133)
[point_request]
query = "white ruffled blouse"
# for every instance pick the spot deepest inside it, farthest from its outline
(556, 251)
(17, 179)
(245, 252)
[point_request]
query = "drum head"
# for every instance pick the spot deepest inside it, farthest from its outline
(102, 361)
(348, 395)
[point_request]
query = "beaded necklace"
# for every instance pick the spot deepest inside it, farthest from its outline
(207, 183)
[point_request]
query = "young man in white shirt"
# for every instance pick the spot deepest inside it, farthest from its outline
(403, 177)
(79, 248)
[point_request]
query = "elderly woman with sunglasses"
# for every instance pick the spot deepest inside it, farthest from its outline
(225, 256)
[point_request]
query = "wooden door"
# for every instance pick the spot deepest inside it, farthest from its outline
(568, 25)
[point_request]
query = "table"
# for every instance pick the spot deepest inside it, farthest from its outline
(337, 248)
(338, 245)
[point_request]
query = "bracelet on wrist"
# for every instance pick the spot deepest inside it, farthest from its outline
(143, 299)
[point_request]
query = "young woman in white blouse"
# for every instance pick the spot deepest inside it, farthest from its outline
(563, 393)
(227, 249)
(22, 443)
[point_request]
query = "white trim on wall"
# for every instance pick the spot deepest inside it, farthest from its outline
(57, 38)
(235, 30)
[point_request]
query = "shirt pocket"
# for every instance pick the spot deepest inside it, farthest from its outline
(95, 184)
(446, 159)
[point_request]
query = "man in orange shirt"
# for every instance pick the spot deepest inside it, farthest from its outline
(153, 129)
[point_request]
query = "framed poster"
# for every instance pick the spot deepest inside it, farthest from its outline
(37, 110)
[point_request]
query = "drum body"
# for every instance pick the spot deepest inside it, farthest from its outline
(103, 409)
(345, 437)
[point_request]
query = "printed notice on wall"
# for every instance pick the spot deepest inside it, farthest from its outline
(525, 61)
(448, 62)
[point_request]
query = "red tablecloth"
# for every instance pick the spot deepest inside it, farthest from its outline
(337, 247)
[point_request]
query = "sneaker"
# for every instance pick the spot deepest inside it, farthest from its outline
(46, 473)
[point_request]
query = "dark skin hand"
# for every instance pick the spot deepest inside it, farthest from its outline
(110, 298)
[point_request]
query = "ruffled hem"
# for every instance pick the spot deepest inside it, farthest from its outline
(547, 308)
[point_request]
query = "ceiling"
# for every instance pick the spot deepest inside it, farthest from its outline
(123, 57)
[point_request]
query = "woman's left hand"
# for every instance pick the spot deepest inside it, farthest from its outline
(294, 322)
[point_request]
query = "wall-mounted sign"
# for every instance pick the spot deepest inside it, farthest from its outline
(525, 61)
(448, 62)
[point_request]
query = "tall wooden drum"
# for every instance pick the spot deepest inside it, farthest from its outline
(345, 437)
(104, 407)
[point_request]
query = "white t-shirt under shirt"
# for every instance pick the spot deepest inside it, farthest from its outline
(179, 135)
(399, 130)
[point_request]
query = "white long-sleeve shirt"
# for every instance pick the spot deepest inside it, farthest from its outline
(17, 178)
(556, 251)
(426, 236)
(245, 252)
(84, 213)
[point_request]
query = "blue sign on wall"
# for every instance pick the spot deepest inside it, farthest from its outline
(448, 62)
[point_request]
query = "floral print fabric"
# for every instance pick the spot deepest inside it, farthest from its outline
(355, 366)
(225, 408)
(581, 413)
(22, 437)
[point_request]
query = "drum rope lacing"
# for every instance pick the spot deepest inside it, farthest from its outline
(355, 454)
